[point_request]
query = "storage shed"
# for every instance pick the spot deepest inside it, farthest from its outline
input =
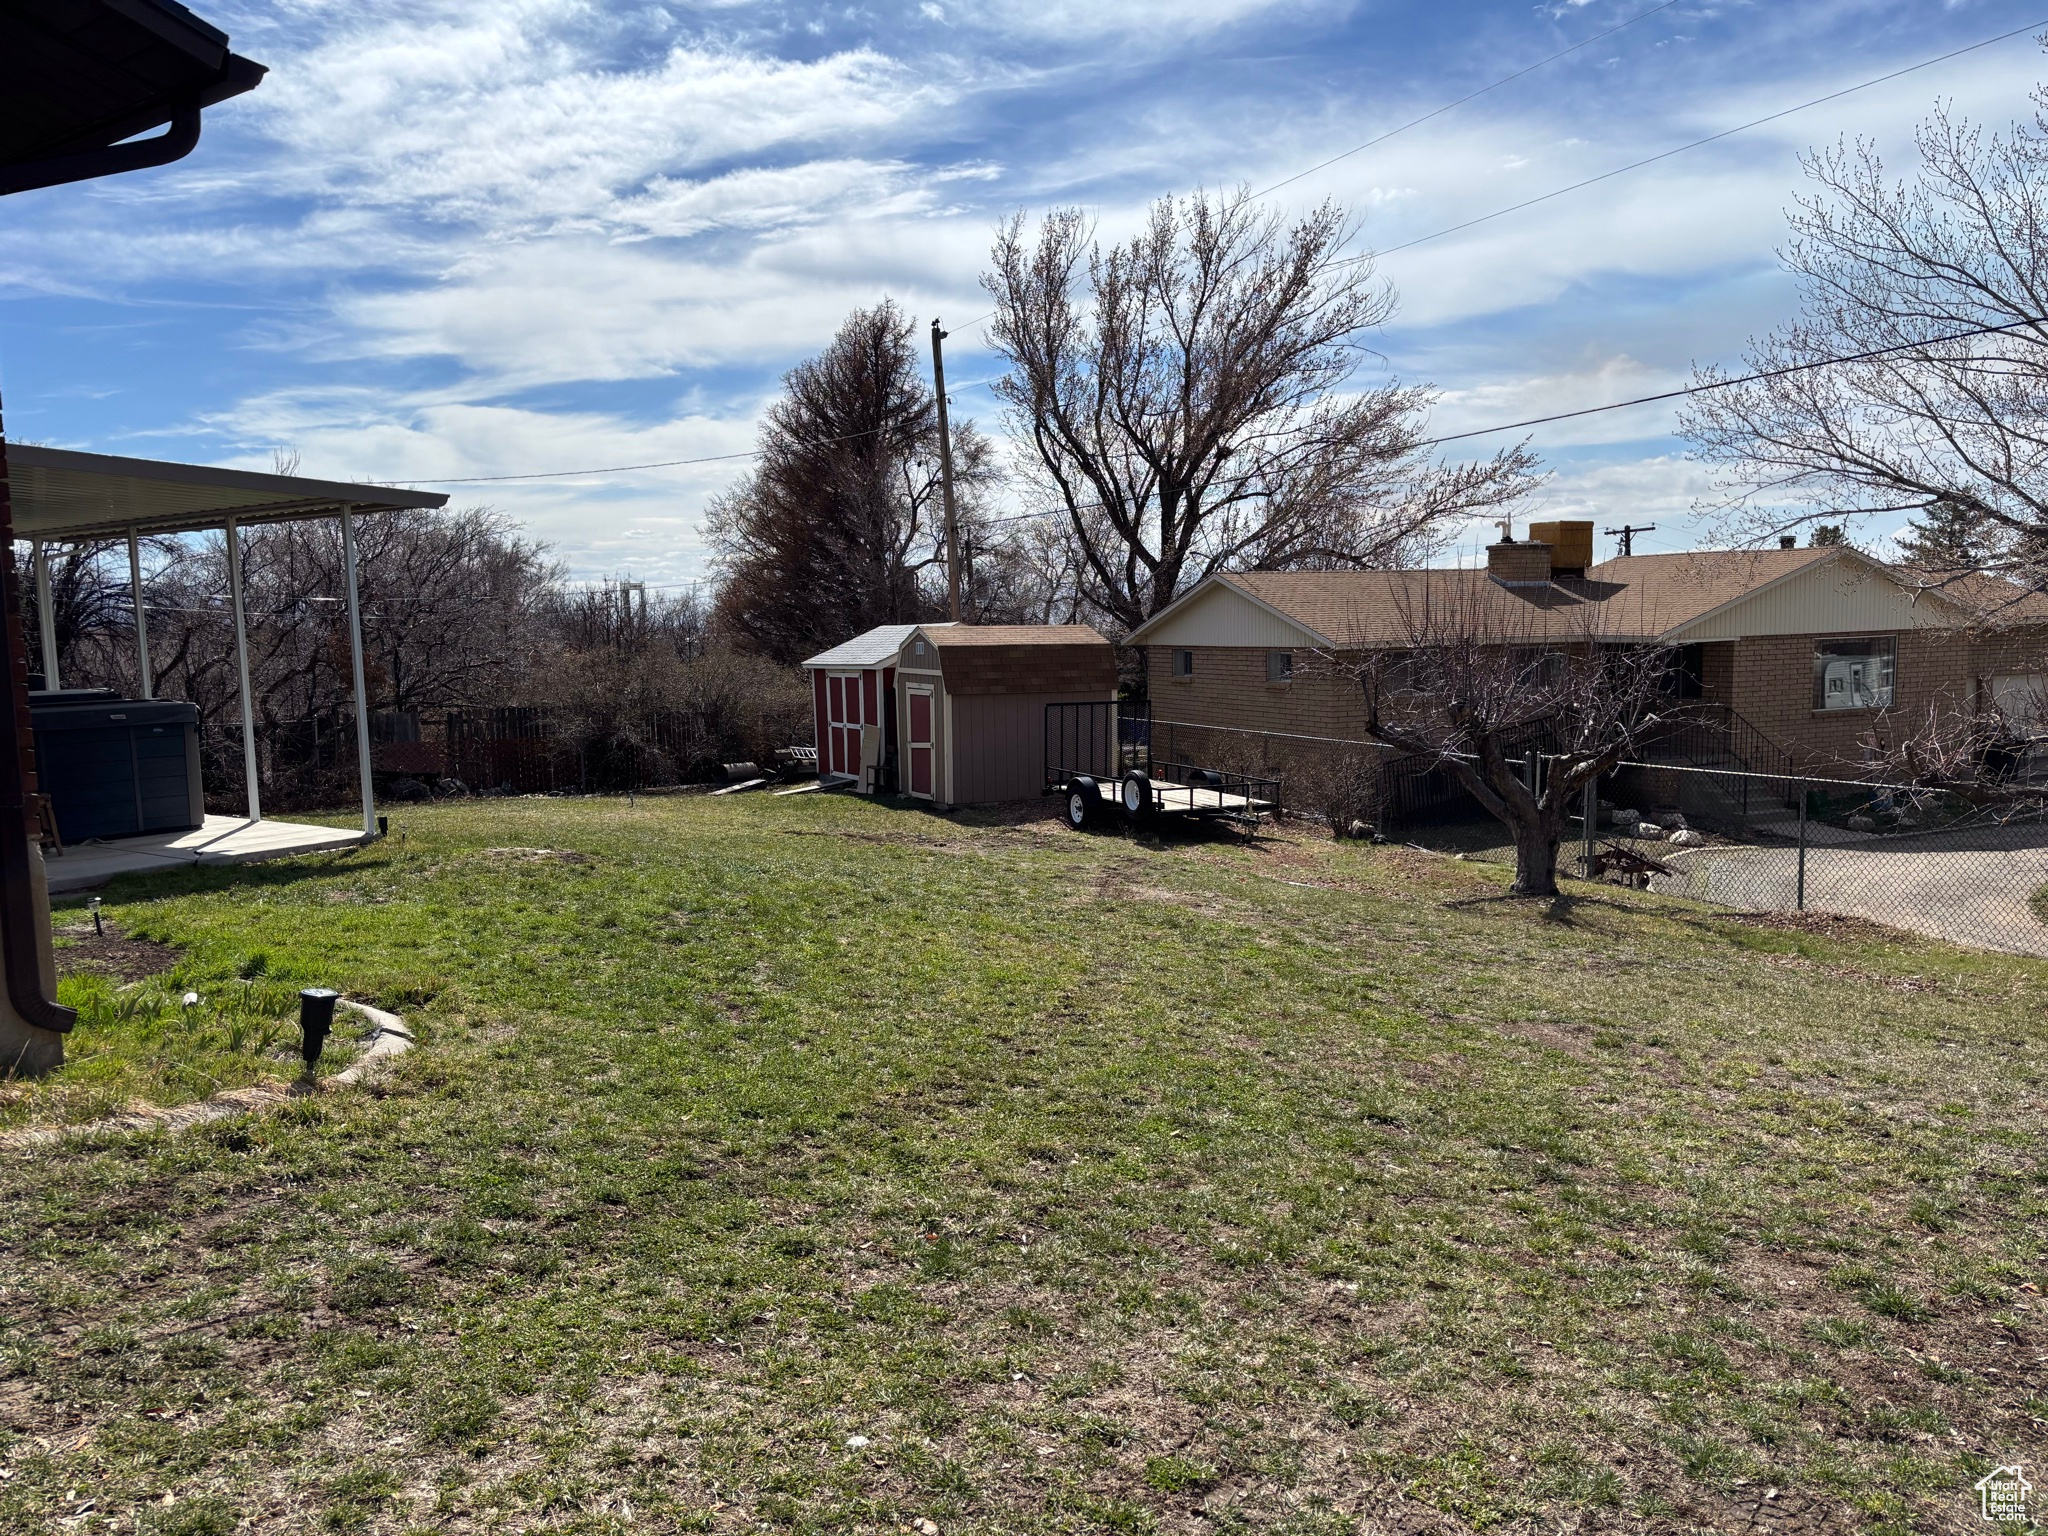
(970, 705)
(853, 686)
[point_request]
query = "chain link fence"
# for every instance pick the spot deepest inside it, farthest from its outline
(1928, 862)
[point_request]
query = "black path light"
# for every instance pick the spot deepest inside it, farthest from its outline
(316, 1022)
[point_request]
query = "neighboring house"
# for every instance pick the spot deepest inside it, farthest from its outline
(1795, 651)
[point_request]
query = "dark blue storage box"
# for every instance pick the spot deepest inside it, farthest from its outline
(117, 767)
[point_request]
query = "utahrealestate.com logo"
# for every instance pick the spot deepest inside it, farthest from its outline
(2005, 1494)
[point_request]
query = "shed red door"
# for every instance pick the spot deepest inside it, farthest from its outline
(835, 712)
(844, 718)
(920, 741)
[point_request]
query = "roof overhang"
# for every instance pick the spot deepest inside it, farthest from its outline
(1840, 555)
(1143, 633)
(79, 80)
(61, 494)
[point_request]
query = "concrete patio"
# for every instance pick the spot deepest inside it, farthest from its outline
(222, 840)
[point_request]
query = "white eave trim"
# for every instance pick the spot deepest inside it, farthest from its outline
(1139, 635)
(1676, 634)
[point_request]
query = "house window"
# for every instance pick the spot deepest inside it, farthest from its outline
(1853, 674)
(1183, 663)
(1279, 666)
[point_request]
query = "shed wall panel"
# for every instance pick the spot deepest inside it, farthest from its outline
(999, 744)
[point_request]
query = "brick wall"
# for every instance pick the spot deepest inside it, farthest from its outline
(1771, 684)
(1229, 687)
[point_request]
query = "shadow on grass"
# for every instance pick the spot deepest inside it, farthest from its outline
(203, 879)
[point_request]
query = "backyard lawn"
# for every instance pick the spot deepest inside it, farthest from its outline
(817, 1165)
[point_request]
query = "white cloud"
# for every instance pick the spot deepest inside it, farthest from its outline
(1159, 23)
(647, 519)
(508, 119)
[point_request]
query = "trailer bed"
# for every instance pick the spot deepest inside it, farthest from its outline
(1191, 799)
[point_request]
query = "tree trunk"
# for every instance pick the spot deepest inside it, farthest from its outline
(1535, 861)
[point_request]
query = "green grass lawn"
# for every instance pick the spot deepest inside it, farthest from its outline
(816, 1165)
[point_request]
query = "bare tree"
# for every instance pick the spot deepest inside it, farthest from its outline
(837, 528)
(1946, 426)
(1471, 690)
(1189, 399)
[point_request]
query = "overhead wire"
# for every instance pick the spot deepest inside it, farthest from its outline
(1417, 122)
(1712, 138)
(1403, 246)
(2032, 321)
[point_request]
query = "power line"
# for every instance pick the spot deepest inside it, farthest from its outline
(1669, 394)
(1454, 437)
(1622, 170)
(1747, 378)
(619, 469)
(1712, 138)
(563, 474)
(1584, 42)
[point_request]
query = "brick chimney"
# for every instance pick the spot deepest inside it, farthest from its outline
(1526, 564)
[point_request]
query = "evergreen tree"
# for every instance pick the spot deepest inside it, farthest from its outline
(839, 529)
(1949, 535)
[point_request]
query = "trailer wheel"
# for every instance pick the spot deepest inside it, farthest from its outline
(1137, 797)
(1082, 798)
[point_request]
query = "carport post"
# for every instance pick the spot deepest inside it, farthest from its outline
(141, 623)
(355, 653)
(242, 666)
(45, 614)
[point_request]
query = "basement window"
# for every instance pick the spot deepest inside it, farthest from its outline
(1853, 674)
(1183, 663)
(1279, 666)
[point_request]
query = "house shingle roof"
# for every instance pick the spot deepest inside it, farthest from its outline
(1992, 600)
(1639, 598)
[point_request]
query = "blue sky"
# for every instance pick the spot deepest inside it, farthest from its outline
(532, 235)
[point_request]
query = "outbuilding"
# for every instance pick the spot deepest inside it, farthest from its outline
(970, 704)
(852, 687)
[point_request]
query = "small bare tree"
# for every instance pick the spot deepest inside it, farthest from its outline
(1189, 399)
(1473, 691)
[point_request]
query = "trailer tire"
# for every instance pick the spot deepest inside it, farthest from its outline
(1136, 797)
(1082, 798)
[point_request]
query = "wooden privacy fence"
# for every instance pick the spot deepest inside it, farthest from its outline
(509, 749)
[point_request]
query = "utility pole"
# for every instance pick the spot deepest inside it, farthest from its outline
(1627, 535)
(946, 477)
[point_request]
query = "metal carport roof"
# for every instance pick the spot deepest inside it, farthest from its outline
(62, 494)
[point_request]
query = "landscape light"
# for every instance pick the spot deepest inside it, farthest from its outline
(316, 1022)
(98, 928)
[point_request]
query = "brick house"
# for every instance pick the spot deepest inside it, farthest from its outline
(1796, 652)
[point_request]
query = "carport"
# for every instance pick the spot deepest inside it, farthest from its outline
(63, 496)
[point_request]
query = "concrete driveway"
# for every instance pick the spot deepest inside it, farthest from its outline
(1973, 887)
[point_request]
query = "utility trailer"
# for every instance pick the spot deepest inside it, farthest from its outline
(1100, 761)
